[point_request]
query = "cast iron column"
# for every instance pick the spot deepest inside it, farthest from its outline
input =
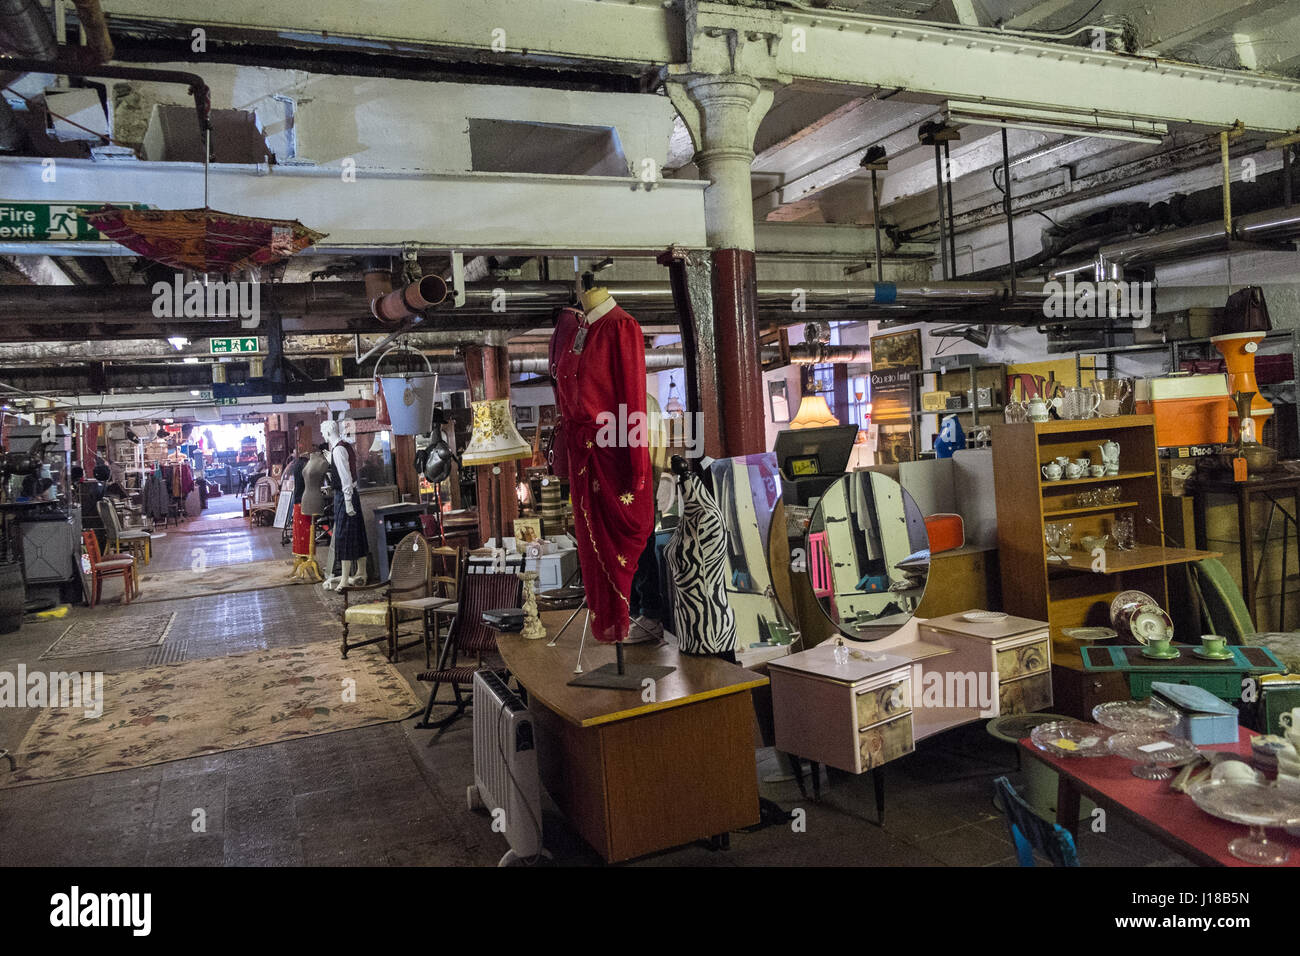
(722, 113)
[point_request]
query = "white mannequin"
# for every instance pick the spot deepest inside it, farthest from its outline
(354, 572)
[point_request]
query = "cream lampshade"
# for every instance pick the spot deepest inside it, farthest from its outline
(814, 413)
(494, 438)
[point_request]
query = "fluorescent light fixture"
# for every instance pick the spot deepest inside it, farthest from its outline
(177, 342)
(191, 360)
(1096, 125)
(195, 392)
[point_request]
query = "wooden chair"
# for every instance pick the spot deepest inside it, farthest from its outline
(107, 566)
(138, 544)
(264, 503)
(1031, 832)
(468, 635)
(408, 584)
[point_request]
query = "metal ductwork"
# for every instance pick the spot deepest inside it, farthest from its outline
(1272, 225)
(24, 32)
(410, 300)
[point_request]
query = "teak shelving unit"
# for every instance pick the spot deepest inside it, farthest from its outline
(1072, 594)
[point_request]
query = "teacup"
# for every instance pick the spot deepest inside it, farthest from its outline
(1073, 470)
(1097, 471)
(1160, 646)
(1062, 460)
(1084, 463)
(1052, 471)
(1214, 645)
(1237, 771)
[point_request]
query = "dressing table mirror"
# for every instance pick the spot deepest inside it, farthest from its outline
(868, 555)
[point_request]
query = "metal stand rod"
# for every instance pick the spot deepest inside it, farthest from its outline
(583, 642)
(618, 652)
(576, 611)
(952, 221)
(938, 192)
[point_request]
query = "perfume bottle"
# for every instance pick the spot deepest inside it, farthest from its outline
(841, 651)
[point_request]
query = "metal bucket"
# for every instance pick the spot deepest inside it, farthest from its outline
(409, 397)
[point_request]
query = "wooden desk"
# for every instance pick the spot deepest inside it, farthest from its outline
(1172, 818)
(633, 775)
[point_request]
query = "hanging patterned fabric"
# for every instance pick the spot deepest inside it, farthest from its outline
(697, 563)
(601, 372)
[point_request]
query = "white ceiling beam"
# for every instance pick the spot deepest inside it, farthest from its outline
(828, 46)
(1164, 26)
(471, 212)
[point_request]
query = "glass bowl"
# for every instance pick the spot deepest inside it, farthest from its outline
(1136, 716)
(1156, 753)
(1254, 804)
(1071, 738)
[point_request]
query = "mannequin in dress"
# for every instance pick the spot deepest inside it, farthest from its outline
(600, 371)
(309, 475)
(313, 478)
(350, 544)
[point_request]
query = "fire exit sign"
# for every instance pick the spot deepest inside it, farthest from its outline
(51, 222)
(247, 343)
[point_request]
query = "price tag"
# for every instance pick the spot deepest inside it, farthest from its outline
(1158, 745)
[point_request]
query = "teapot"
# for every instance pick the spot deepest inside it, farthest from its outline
(1110, 456)
(1039, 409)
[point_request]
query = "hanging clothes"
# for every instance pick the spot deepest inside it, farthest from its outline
(600, 372)
(350, 542)
(704, 621)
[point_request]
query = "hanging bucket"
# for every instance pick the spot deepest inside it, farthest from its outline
(408, 398)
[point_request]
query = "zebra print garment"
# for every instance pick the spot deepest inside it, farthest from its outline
(697, 563)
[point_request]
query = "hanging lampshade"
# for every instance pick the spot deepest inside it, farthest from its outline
(674, 408)
(814, 413)
(494, 437)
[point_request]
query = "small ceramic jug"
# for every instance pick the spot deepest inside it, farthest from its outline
(1038, 410)
(1052, 471)
(1073, 470)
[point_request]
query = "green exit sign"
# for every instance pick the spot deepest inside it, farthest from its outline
(247, 343)
(226, 401)
(51, 222)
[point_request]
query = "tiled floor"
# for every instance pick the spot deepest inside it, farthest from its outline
(394, 795)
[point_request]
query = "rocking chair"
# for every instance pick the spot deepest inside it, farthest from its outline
(475, 594)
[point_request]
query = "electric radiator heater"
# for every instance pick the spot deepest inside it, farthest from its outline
(505, 767)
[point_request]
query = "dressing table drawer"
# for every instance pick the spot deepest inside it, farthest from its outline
(1024, 660)
(884, 742)
(872, 705)
(1025, 696)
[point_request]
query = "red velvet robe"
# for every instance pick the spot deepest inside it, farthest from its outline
(610, 482)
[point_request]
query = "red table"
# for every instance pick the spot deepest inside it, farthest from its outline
(1172, 818)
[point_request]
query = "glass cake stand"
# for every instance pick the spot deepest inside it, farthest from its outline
(1135, 716)
(1254, 804)
(1071, 738)
(1156, 754)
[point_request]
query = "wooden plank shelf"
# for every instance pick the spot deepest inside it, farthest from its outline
(1066, 482)
(1143, 556)
(1091, 509)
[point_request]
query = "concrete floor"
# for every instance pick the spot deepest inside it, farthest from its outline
(394, 795)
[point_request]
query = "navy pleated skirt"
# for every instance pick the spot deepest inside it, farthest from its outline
(349, 530)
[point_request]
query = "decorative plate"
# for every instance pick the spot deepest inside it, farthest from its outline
(984, 617)
(1089, 633)
(1071, 738)
(1121, 608)
(1151, 652)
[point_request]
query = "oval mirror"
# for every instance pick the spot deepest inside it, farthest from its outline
(868, 555)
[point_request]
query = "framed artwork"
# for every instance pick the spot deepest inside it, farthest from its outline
(778, 396)
(526, 530)
(524, 414)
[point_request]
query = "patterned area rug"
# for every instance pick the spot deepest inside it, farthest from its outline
(200, 580)
(97, 636)
(203, 707)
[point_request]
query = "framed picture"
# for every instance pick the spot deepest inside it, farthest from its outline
(526, 530)
(778, 396)
(524, 414)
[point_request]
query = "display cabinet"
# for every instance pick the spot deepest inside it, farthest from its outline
(1078, 592)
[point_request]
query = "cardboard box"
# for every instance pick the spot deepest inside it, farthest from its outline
(1202, 717)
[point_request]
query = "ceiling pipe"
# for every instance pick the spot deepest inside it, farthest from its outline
(99, 45)
(410, 300)
(1271, 225)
